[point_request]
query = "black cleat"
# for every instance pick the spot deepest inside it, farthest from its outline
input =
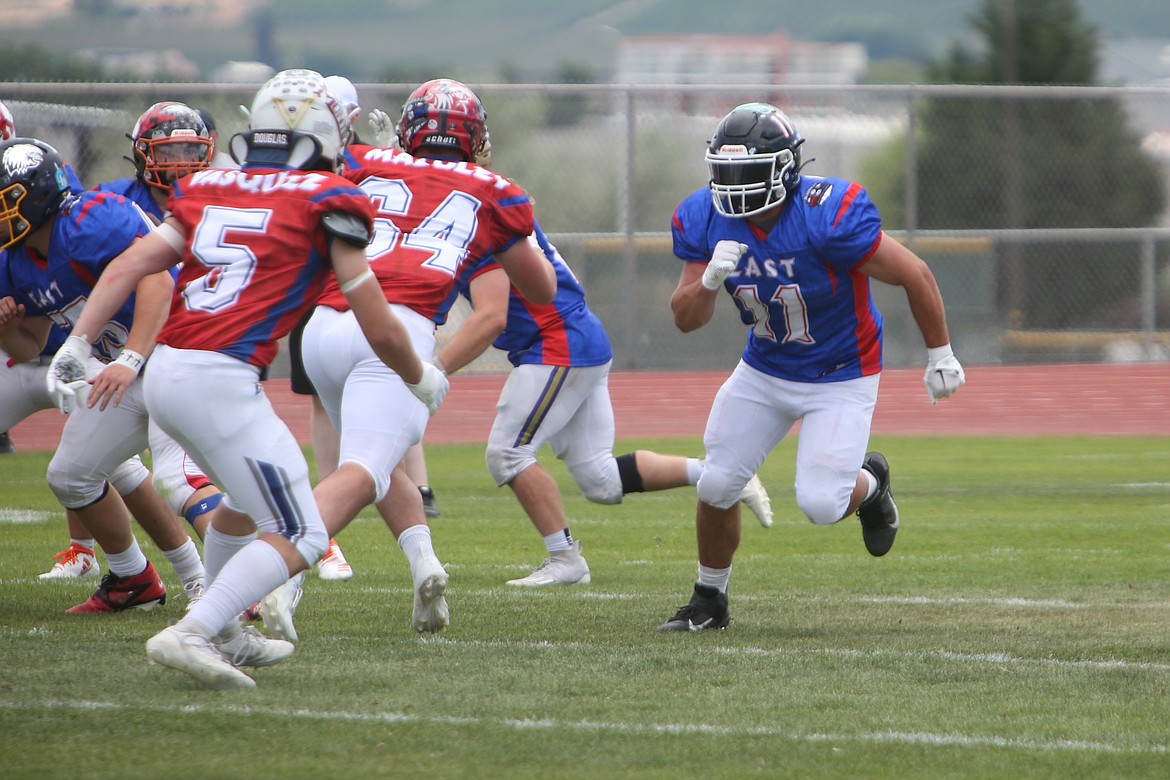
(879, 514)
(708, 609)
(430, 508)
(6, 444)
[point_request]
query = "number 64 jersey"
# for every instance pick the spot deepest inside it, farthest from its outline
(433, 217)
(256, 258)
(799, 286)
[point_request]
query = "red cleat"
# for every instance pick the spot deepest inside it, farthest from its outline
(116, 594)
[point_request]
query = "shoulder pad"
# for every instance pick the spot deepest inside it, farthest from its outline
(348, 227)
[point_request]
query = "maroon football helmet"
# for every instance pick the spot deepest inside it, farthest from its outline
(444, 114)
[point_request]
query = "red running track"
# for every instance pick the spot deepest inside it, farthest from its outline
(1130, 399)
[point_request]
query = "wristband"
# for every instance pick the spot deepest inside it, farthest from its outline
(356, 282)
(935, 354)
(131, 359)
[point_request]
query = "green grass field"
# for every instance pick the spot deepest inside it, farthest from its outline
(1019, 628)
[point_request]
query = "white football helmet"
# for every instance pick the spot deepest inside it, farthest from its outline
(295, 121)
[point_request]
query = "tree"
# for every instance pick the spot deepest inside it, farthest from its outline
(1039, 163)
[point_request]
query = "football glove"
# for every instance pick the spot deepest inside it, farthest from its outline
(383, 127)
(65, 379)
(432, 388)
(724, 261)
(943, 375)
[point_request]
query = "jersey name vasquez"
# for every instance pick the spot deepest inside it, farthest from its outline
(398, 157)
(258, 182)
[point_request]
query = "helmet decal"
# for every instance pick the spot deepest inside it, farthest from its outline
(19, 159)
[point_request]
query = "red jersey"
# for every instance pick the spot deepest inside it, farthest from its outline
(432, 217)
(256, 256)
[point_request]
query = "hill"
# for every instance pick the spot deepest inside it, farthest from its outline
(525, 40)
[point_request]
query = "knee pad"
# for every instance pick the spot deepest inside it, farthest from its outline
(820, 509)
(823, 494)
(719, 489)
(311, 539)
(129, 476)
(314, 543)
(504, 463)
(74, 489)
(604, 483)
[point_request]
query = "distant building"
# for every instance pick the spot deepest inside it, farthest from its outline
(236, 72)
(143, 64)
(773, 59)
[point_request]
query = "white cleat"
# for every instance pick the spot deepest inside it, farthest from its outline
(430, 615)
(248, 647)
(563, 567)
(756, 498)
(193, 589)
(195, 655)
(74, 562)
(334, 566)
(279, 606)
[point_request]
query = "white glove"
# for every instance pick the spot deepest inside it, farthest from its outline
(65, 379)
(432, 388)
(383, 127)
(724, 261)
(943, 375)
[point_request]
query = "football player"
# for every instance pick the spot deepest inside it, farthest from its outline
(796, 254)
(436, 211)
(58, 242)
(558, 393)
(256, 245)
(170, 140)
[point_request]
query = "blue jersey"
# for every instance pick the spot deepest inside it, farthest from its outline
(562, 333)
(90, 231)
(136, 190)
(799, 287)
(7, 286)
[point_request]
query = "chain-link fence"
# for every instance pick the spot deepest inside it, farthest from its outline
(1042, 211)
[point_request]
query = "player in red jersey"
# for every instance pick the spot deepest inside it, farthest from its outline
(256, 245)
(435, 211)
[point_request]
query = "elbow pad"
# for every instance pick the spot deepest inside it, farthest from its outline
(348, 227)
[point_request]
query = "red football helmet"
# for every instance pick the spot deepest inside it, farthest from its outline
(446, 114)
(7, 126)
(170, 141)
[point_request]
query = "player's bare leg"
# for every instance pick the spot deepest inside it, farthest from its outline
(538, 494)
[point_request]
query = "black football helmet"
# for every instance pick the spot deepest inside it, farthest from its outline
(33, 185)
(754, 160)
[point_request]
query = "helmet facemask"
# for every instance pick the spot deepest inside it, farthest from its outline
(33, 185)
(170, 141)
(754, 160)
(743, 184)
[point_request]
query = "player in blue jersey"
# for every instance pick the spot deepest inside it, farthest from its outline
(796, 253)
(170, 140)
(58, 243)
(558, 393)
